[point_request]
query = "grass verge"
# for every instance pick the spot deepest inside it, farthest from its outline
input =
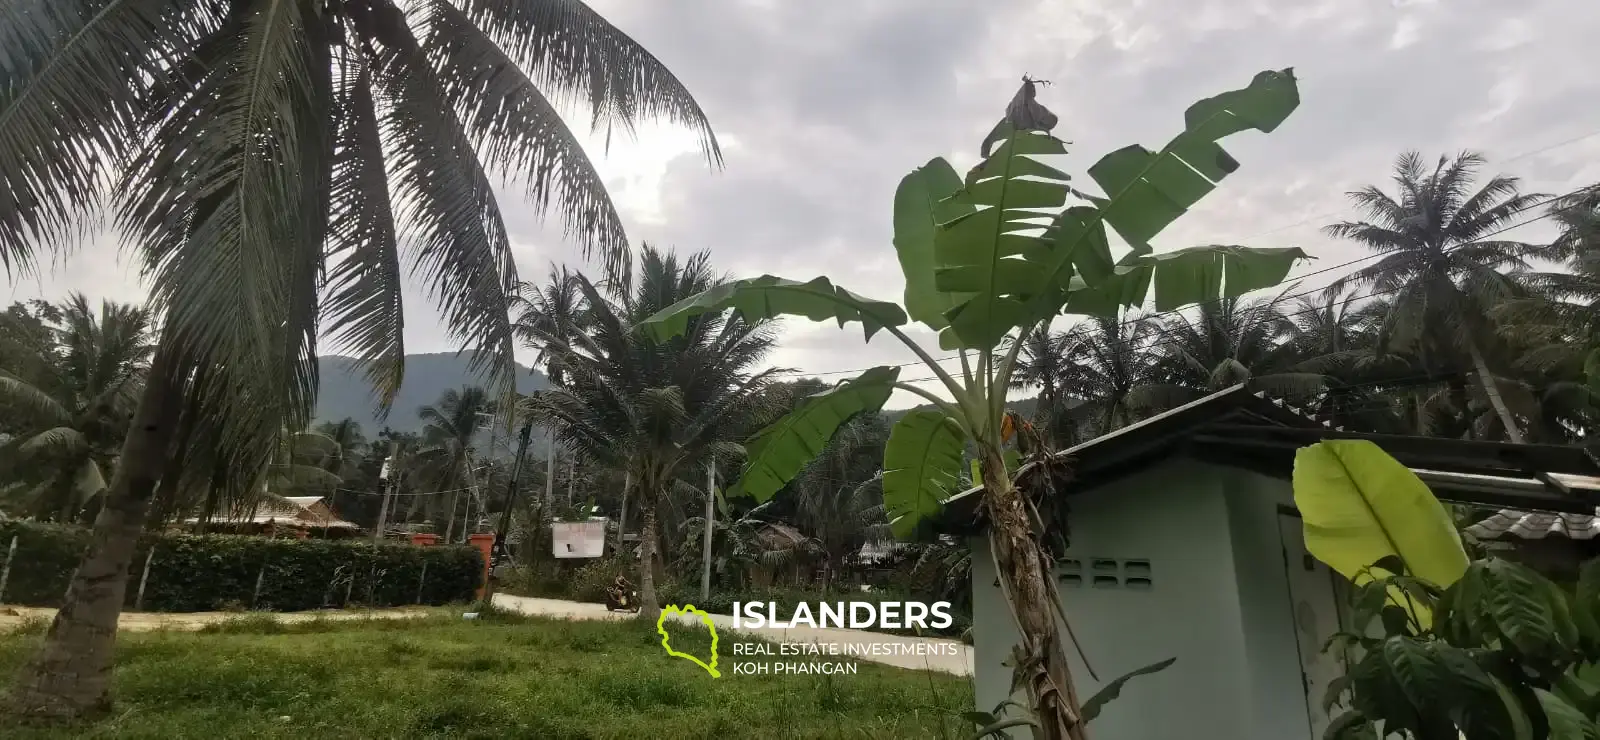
(497, 676)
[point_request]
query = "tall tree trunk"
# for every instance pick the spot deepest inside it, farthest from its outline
(1040, 663)
(165, 503)
(649, 606)
(550, 473)
(622, 511)
(1491, 388)
(208, 510)
(69, 676)
(450, 518)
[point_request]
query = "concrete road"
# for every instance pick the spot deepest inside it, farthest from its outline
(954, 657)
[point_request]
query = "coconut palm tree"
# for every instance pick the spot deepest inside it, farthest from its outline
(838, 499)
(1111, 358)
(656, 410)
(266, 158)
(1222, 344)
(70, 396)
(1042, 362)
(1440, 261)
(549, 319)
(446, 460)
(1335, 336)
(1557, 326)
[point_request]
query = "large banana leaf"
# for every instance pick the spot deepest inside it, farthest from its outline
(1185, 277)
(921, 465)
(984, 253)
(778, 453)
(768, 296)
(921, 203)
(1146, 191)
(1360, 505)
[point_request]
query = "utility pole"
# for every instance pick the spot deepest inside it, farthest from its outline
(384, 474)
(711, 519)
(498, 553)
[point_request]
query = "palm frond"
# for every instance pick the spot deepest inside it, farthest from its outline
(519, 132)
(569, 48)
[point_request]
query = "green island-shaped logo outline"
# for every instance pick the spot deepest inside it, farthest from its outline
(661, 622)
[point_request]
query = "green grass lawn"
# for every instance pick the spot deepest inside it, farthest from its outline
(502, 678)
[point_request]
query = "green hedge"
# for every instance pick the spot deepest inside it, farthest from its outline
(222, 572)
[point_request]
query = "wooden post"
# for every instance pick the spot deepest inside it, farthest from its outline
(5, 573)
(138, 601)
(422, 580)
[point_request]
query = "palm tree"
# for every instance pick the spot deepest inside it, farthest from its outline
(656, 410)
(838, 498)
(1557, 327)
(1439, 259)
(1335, 336)
(1043, 361)
(549, 319)
(70, 396)
(1111, 358)
(446, 459)
(738, 544)
(250, 148)
(1223, 344)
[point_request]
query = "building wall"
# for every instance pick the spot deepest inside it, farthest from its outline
(1176, 518)
(1277, 693)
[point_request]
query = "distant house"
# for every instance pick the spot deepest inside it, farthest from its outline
(1185, 543)
(292, 515)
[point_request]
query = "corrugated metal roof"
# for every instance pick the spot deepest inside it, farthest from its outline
(1537, 525)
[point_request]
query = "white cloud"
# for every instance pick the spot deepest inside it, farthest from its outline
(823, 107)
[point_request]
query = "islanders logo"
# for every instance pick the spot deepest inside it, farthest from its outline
(666, 640)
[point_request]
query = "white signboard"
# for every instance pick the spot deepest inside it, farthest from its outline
(579, 539)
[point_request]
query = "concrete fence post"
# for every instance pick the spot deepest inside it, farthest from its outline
(138, 600)
(5, 573)
(422, 580)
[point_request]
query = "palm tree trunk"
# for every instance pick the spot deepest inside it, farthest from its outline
(622, 511)
(1491, 388)
(450, 518)
(1041, 666)
(69, 676)
(208, 510)
(550, 472)
(649, 608)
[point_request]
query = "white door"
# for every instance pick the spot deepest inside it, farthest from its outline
(1316, 617)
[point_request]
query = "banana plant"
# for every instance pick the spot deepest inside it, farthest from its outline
(986, 258)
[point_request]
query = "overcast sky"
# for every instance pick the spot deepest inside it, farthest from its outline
(822, 107)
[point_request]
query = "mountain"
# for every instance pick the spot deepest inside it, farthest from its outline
(345, 392)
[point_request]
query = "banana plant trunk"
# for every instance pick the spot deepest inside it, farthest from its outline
(649, 607)
(69, 676)
(1040, 662)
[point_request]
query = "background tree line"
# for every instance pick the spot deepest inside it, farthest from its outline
(1445, 328)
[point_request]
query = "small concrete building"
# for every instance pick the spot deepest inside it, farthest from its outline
(1185, 543)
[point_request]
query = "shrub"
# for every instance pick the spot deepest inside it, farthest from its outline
(215, 572)
(590, 580)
